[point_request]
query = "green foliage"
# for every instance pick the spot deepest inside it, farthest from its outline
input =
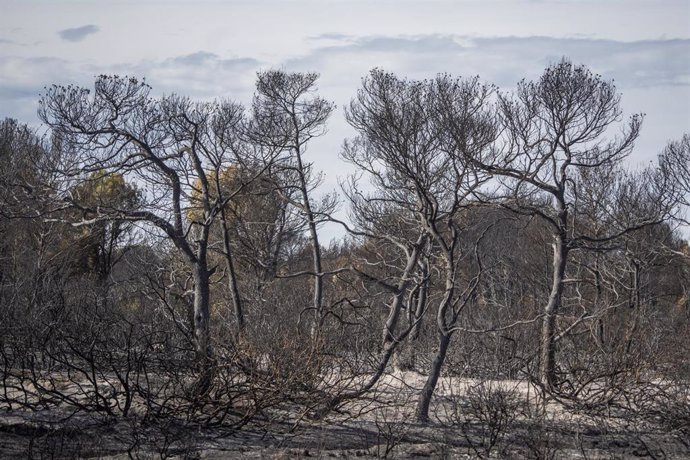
(97, 242)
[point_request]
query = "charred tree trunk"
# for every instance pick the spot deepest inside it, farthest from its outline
(390, 340)
(407, 355)
(422, 411)
(202, 336)
(601, 334)
(201, 312)
(444, 335)
(315, 247)
(547, 364)
(388, 332)
(634, 305)
(232, 276)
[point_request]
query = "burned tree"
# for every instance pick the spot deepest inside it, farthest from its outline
(169, 147)
(554, 130)
(287, 116)
(425, 179)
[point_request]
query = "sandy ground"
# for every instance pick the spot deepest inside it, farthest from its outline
(380, 425)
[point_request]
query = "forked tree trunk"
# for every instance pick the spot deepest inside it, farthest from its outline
(444, 335)
(407, 354)
(390, 341)
(388, 331)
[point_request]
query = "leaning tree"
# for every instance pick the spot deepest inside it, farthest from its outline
(423, 178)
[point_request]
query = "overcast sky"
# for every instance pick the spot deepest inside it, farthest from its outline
(208, 49)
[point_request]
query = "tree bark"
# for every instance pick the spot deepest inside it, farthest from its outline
(601, 333)
(201, 311)
(424, 401)
(547, 363)
(390, 341)
(388, 332)
(407, 355)
(232, 277)
(202, 336)
(635, 306)
(444, 335)
(315, 247)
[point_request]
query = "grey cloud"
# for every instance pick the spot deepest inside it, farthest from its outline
(505, 60)
(638, 64)
(501, 60)
(330, 36)
(198, 58)
(212, 59)
(200, 75)
(19, 91)
(77, 34)
(415, 44)
(24, 79)
(653, 75)
(7, 41)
